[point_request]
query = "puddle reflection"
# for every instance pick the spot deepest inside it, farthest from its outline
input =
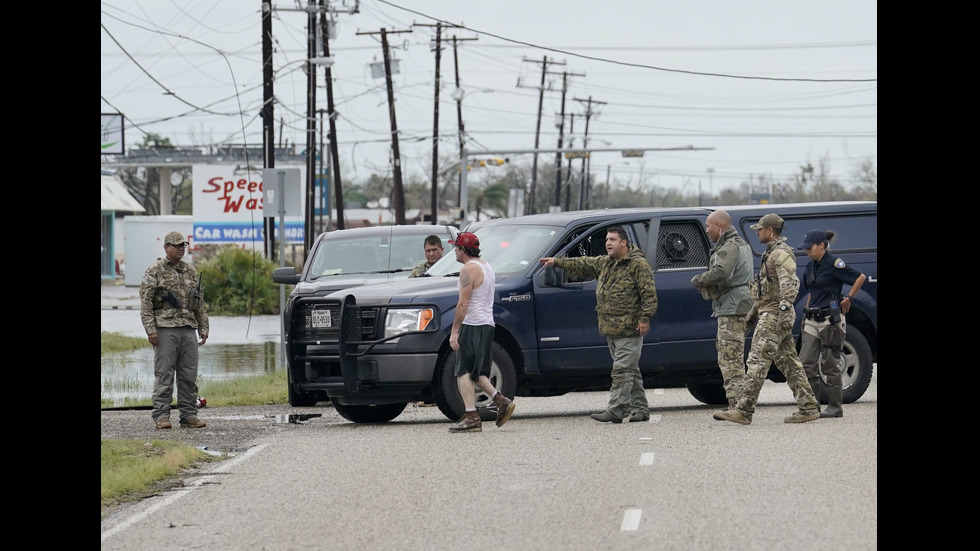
(130, 375)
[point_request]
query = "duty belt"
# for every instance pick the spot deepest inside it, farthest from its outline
(816, 314)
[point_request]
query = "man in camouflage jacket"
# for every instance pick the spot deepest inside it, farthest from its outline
(726, 283)
(774, 291)
(173, 313)
(432, 247)
(626, 300)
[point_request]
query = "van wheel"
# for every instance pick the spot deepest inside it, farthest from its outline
(708, 393)
(858, 366)
(380, 413)
(503, 376)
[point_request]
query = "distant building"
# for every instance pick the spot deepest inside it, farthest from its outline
(116, 203)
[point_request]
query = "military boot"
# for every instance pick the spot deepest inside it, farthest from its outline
(801, 417)
(469, 422)
(835, 397)
(815, 386)
(505, 408)
(733, 415)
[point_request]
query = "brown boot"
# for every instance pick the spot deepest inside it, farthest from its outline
(469, 422)
(505, 408)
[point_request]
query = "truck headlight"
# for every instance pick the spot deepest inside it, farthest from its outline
(399, 321)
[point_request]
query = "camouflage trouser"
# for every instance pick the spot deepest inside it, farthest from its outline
(821, 350)
(730, 343)
(626, 396)
(175, 354)
(770, 343)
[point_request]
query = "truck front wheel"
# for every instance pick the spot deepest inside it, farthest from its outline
(503, 376)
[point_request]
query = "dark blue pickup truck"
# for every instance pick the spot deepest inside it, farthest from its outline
(373, 349)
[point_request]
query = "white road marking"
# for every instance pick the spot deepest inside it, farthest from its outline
(222, 467)
(631, 520)
(646, 459)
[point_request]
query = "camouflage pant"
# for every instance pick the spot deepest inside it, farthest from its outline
(771, 343)
(730, 343)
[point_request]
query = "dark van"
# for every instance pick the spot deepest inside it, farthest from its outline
(373, 349)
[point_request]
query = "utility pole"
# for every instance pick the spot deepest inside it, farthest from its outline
(585, 144)
(561, 132)
(268, 122)
(397, 191)
(435, 132)
(458, 94)
(310, 223)
(568, 175)
(434, 196)
(529, 206)
(332, 121)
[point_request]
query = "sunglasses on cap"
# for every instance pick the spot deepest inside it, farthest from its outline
(179, 245)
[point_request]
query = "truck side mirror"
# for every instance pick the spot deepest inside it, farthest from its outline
(548, 277)
(286, 275)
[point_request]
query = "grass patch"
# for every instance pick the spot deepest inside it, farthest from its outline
(134, 469)
(268, 388)
(117, 342)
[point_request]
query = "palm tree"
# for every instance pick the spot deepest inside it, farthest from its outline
(493, 198)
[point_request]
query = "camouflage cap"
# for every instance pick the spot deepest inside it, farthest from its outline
(174, 238)
(769, 221)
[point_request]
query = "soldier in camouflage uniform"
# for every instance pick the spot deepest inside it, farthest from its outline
(774, 291)
(173, 313)
(726, 283)
(433, 252)
(626, 300)
(432, 247)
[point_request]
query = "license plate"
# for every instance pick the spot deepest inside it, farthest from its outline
(321, 319)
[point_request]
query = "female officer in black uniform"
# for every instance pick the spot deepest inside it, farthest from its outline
(824, 325)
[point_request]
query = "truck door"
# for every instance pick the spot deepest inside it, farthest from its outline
(568, 333)
(683, 326)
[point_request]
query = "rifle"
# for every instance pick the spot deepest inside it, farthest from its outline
(195, 297)
(171, 299)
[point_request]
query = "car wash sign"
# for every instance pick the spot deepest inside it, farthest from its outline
(228, 208)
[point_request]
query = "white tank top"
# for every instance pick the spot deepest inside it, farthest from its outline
(480, 311)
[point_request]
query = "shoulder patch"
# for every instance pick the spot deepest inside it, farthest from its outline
(839, 263)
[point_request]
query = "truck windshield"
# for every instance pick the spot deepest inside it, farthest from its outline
(511, 249)
(364, 255)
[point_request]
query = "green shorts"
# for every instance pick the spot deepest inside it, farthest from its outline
(474, 355)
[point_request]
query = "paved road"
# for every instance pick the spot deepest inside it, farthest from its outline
(550, 479)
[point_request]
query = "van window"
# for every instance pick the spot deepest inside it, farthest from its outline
(854, 233)
(681, 245)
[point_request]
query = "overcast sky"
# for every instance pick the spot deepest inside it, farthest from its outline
(764, 86)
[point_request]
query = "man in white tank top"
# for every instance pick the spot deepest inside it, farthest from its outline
(472, 335)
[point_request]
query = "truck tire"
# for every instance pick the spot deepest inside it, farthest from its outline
(503, 375)
(380, 413)
(712, 394)
(858, 366)
(857, 370)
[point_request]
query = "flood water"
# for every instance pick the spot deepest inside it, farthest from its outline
(130, 375)
(236, 347)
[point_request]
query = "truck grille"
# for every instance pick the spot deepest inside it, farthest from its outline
(360, 322)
